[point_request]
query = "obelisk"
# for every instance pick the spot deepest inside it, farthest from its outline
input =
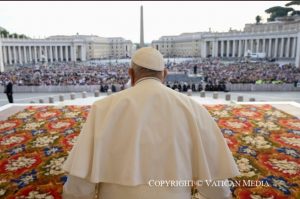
(142, 29)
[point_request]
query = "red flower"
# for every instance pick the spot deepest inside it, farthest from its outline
(48, 190)
(264, 192)
(46, 115)
(15, 165)
(9, 125)
(61, 124)
(235, 125)
(289, 123)
(14, 140)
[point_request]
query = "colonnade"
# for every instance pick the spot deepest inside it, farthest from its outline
(278, 47)
(23, 54)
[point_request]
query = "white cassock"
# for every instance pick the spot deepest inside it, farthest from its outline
(147, 132)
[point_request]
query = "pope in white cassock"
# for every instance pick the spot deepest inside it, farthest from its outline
(145, 134)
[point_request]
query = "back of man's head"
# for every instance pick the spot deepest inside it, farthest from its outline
(147, 62)
(149, 58)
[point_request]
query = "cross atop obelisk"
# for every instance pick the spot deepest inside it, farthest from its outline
(142, 29)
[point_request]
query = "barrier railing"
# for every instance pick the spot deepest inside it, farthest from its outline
(262, 87)
(93, 88)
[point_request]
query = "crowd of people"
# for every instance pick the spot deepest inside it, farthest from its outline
(215, 74)
(66, 75)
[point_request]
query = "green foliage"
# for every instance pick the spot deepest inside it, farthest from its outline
(297, 2)
(23, 36)
(296, 12)
(278, 11)
(258, 19)
(14, 35)
(4, 33)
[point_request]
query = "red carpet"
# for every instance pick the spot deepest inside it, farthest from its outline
(35, 142)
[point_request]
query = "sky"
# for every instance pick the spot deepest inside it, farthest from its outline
(122, 19)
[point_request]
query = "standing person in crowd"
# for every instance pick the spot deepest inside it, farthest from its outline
(146, 133)
(9, 91)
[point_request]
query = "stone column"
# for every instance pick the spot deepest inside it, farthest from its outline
(298, 51)
(257, 46)
(251, 45)
(66, 53)
(30, 55)
(287, 48)
(294, 46)
(4, 55)
(264, 46)
(9, 55)
(217, 49)
(61, 54)
(246, 47)
(83, 53)
(19, 54)
(270, 48)
(15, 54)
(240, 48)
(203, 49)
(1, 57)
(56, 53)
(281, 48)
(40, 53)
(35, 54)
(46, 53)
(51, 53)
(233, 48)
(73, 56)
(228, 48)
(213, 48)
(222, 48)
(276, 47)
(25, 55)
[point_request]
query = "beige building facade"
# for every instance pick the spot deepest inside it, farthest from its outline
(60, 48)
(120, 48)
(279, 40)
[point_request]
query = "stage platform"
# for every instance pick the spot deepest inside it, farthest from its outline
(290, 107)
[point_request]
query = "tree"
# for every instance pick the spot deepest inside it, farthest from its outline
(4, 33)
(14, 35)
(278, 11)
(23, 36)
(297, 2)
(258, 19)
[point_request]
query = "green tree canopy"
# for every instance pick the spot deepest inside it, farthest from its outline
(292, 3)
(297, 2)
(14, 35)
(278, 11)
(258, 19)
(6, 34)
